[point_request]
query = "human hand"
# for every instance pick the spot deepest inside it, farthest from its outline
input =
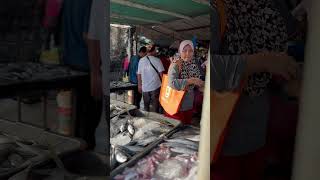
(140, 89)
(282, 64)
(273, 62)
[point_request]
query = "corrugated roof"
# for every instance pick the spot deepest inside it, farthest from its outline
(172, 19)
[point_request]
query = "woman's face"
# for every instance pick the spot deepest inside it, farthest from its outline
(187, 53)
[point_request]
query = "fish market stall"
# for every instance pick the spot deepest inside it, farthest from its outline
(18, 79)
(174, 157)
(135, 133)
(118, 107)
(121, 86)
(23, 146)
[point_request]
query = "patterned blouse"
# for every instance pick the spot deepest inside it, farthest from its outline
(254, 26)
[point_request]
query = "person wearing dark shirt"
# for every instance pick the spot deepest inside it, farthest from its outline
(76, 15)
(133, 69)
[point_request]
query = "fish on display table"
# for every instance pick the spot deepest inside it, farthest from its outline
(130, 135)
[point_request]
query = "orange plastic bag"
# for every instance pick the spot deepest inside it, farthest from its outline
(222, 106)
(170, 99)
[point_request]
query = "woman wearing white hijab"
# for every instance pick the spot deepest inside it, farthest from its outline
(184, 74)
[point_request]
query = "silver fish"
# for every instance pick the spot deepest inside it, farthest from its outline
(125, 150)
(178, 145)
(135, 149)
(123, 127)
(182, 141)
(113, 161)
(131, 129)
(15, 160)
(121, 157)
(132, 176)
(147, 141)
(183, 150)
(5, 140)
(5, 150)
(195, 138)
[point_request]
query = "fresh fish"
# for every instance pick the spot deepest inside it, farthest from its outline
(173, 145)
(132, 176)
(112, 107)
(131, 129)
(5, 150)
(182, 141)
(147, 141)
(135, 149)
(125, 150)
(15, 160)
(123, 127)
(32, 149)
(195, 138)
(183, 150)
(22, 175)
(113, 161)
(121, 157)
(5, 140)
(114, 130)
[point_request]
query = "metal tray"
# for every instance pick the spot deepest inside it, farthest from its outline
(128, 107)
(155, 117)
(148, 149)
(62, 145)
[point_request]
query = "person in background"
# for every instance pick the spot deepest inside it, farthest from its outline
(133, 69)
(150, 70)
(126, 65)
(164, 60)
(184, 74)
(171, 54)
(76, 15)
(51, 20)
(97, 46)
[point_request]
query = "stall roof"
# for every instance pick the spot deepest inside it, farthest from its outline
(177, 19)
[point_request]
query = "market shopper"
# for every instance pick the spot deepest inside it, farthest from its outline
(164, 60)
(125, 65)
(250, 51)
(150, 70)
(97, 46)
(76, 15)
(133, 69)
(184, 74)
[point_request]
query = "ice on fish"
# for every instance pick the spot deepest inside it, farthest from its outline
(120, 139)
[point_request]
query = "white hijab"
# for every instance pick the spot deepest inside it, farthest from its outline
(184, 44)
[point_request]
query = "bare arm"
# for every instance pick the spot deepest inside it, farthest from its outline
(139, 83)
(94, 55)
(95, 70)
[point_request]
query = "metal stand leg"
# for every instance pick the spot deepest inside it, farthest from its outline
(74, 111)
(19, 109)
(44, 114)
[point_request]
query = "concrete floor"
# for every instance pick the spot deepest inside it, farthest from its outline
(34, 114)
